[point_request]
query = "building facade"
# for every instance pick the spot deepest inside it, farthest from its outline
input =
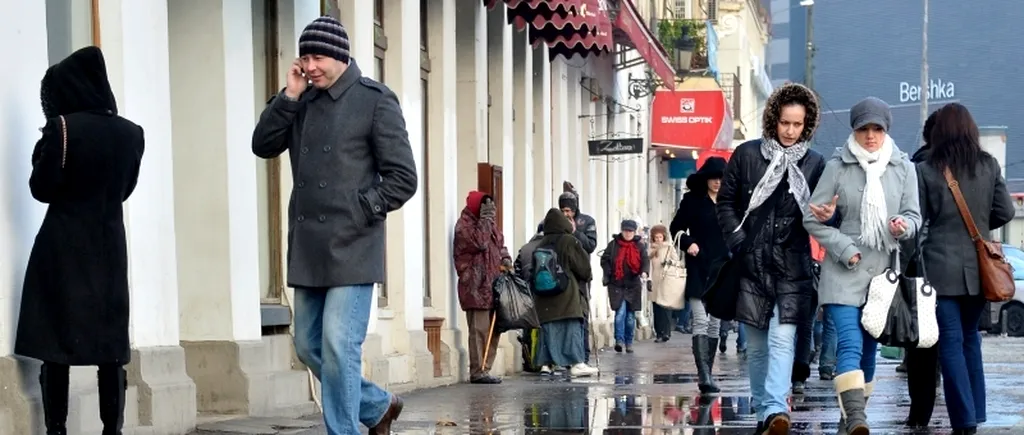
(488, 105)
(857, 56)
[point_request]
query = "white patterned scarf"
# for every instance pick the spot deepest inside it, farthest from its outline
(874, 215)
(782, 161)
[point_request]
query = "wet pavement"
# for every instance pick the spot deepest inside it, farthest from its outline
(653, 391)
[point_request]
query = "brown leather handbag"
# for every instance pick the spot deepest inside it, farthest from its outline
(994, 270)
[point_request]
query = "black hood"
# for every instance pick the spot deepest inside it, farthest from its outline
(921, 154)
(556, 223)
(713, 167)
(78, 84)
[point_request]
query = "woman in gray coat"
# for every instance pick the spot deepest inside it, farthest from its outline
(872, 185)
(950, 259)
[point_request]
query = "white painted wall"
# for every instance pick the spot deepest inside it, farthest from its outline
(22, 37)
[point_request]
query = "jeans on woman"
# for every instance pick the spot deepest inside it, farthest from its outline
(960, 358)
(703, 323)
(683, 317)
(827, 358)
(625, 323)
(855, 348)
(770, 365)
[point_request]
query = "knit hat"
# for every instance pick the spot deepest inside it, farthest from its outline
(870, 110)
(629, 225)
(327, 37)
(569, 200)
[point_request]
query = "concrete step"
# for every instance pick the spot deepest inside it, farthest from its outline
(292, 388)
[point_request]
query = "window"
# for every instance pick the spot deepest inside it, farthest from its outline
(423, 25)
(70, 25)
(380, 46)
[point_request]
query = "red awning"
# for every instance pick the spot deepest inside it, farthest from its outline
(567, 27)
(692, 119)
(641, 38)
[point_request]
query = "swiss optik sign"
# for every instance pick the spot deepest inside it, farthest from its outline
(973, 60)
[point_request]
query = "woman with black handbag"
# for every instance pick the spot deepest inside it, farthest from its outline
(950, 255)
(871, 184)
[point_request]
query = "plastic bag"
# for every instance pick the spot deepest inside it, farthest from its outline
(515, 307)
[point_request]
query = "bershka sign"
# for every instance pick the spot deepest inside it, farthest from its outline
(698, 119)
(611, 147)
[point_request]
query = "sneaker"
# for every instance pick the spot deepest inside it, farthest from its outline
(741, 354)
(826, 374)
(581, 369)
(545, 370)
(798, 387)
(618, 346)
(629, 348)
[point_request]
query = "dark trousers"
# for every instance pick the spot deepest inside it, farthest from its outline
(960, 358)
(922, 380)
(662, 321)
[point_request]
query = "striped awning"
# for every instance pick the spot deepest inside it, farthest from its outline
(567, 27)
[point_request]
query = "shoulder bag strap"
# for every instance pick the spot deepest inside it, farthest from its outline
(64, 141)
(961, 204)
(763, 211)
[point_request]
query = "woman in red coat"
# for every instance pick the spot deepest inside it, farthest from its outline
(480, 255)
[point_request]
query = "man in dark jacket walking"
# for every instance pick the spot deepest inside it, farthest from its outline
(351, 165)
(770, 180)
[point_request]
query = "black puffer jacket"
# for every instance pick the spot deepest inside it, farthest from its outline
(777, 268)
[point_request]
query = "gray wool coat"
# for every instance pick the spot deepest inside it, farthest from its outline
(951, 263)
(840, 283)
(351, 165)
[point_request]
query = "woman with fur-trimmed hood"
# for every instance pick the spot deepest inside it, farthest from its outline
(774, 175)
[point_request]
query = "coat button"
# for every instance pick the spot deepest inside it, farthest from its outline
(323, 184)
(305, 150)
(322, 218)
(300, 218)
(327, 148)
(376, 208)
(302, 184)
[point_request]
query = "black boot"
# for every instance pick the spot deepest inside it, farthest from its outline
(712, 345)
(113, 383)
(701, 357)
(53, 380)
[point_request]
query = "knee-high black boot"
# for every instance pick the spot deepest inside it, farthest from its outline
(112, 380)
(53, 380)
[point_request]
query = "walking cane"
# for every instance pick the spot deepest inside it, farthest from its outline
(490, 334)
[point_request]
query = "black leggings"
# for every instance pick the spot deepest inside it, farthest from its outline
(922, 381)
(112, 383)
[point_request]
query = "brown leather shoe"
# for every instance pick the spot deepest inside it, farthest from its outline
(394, 409)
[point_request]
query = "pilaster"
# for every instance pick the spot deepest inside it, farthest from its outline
(559, 125)
(543, 162)
(523, 138)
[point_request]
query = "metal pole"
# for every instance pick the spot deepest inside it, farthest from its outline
(809, 61)
(925, 88)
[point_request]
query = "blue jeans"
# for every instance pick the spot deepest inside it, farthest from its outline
(770, 356)
(741, 337)
(332, 346)
(963, 375)
(855, 348)
(625, 322)
(827, 358)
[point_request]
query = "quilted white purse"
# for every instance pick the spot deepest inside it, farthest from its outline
(900, 310)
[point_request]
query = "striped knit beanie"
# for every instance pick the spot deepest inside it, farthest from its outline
(327, 37)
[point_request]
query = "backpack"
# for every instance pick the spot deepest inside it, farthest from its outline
(548, 278)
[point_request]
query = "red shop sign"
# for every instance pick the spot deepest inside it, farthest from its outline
(698, 119)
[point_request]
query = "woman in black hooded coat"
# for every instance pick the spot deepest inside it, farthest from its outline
(74, 305)
(700, 238)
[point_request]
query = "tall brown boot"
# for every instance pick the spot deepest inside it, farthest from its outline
(850, 388)
(113, 383)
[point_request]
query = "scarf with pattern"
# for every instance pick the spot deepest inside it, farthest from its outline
(782, 162)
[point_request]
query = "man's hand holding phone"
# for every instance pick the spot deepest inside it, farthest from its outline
(296, 81)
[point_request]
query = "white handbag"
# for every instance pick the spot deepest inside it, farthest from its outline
(673, 279)
(900, 310)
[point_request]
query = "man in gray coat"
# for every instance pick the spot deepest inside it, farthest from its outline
(351, 165)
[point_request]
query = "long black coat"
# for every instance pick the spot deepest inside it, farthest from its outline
(697, 216)
(74, 305)
(777, 268)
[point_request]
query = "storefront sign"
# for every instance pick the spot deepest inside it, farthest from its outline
(937, 90)
(699, 119)
(611, 147)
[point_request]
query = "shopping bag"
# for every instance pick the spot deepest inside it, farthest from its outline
(514, 304)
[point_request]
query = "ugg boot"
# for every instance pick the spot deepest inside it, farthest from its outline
(53, 380)
(112, 382)
(850, 388)
(700, 357)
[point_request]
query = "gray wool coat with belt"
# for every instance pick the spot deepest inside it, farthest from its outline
(351, 165)
(951, 263)
(840, 283)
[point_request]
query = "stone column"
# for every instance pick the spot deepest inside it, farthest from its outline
(445, 201)
(405, 250)
(525, 173)
(471, 111)
(559, 125)
(543, 198)
(572, 110)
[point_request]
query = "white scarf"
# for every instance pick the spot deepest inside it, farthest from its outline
(874, 215)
